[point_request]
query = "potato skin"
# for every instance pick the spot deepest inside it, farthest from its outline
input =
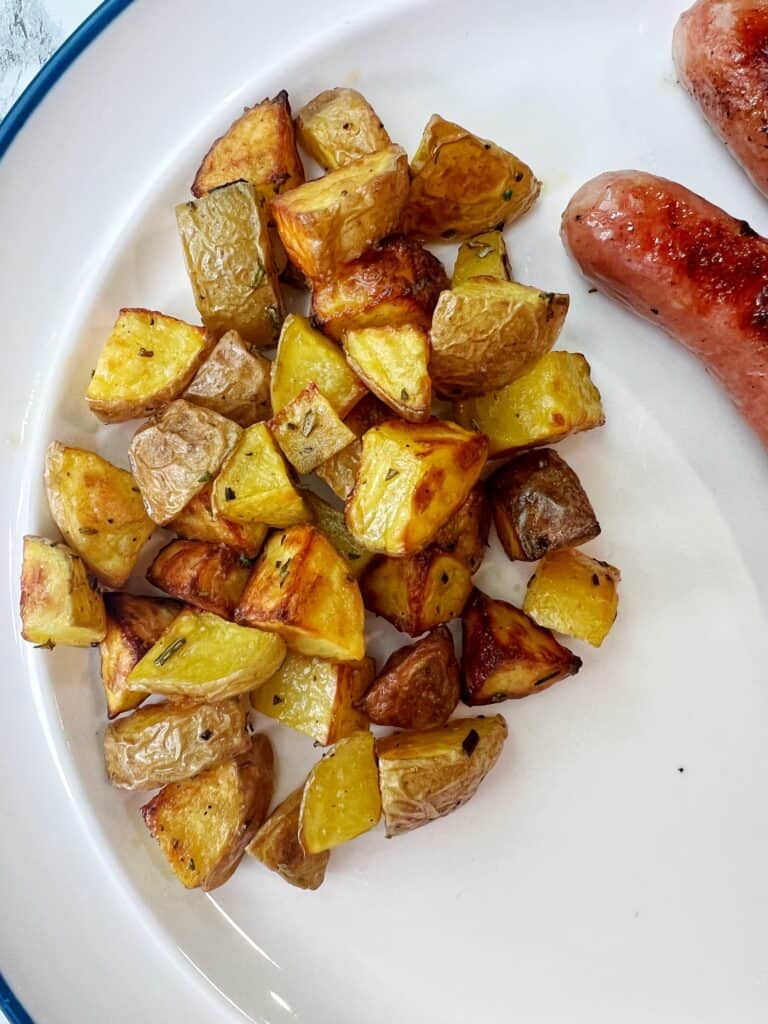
(233, 382)
(339, 126)
(196, 521)
(58, 604)
(574, 594)
(208, 576)
(418, 687)
(340, 471)
(277, 846)
(465, 535)
(309, 431)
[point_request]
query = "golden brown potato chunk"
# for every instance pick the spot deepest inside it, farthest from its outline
(204, 824)
(395, 282)
(539, 505)
(167, 742)
(339, 126)
(486, 333)
(462, 185)
(174, 456)
(507, 655)
(208, 576)
(301, 590)
(426, 775)
(555, 398)
(234, 382)
(331, 522)
(575, 595)
(134, 624)
(146, 362)
(58, 604)
(484, 255)
(393, 362)
(418, 686)
(99, 511)
(196, 521)
(340, 471)
(411, 480)
(334, 219)
(309, 431)
(465, 535)
(277, 846)
(417, 593)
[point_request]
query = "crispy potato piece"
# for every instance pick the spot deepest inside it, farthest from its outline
(168, 742)
(462, 185)
(146, 362)
(339, 126)
(204, 657)
(539, 505)
(341, 795)
(134, 624)
(174, 456)
(301, 590)
(208, 576)
(418, 686)
(305, 356)
(552, 400)
(309, 431)
(99, 511)
(331, 522)
(58, 604)
(465, 535)
(425, 775)
(574, 594)
(393, 363)
(486, 333)
(316, 697)
(230, 264)
(395, 282)
(277, 846)
(334, 219)
(255, 485)
(417, 593)
(204, 824)
(340, 472)
(196, 521)
(482, 256)
(259, 147)
(233, 382)
(507, 655)
(411, 480)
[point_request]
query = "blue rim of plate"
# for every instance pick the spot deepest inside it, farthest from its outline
(10, 126)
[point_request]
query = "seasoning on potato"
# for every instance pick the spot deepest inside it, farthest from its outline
(575, 595)
(394, 363)
(340, 471)
(277, 846)
(196, 521)
(309, 431)
(233, 381)
(484, 255)
(208, 576)
(339, 126)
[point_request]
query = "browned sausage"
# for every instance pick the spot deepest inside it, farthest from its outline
(685, 265)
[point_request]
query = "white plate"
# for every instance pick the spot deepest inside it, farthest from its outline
(592, 879)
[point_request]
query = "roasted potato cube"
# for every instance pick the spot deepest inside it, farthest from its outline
(134, 624)
(167, 742)
(339, 126)
(58, 604)
(309, 431)
(465, 535)
(259, 147)
(462, 185)
(277, 846)
(334, 219)
(486, 333)
(425, 775)
(208, 576)
(418, 686)
(507, 655)
(204, 824)
(417, 593)
(255, 485)
(539, 505)
(316, 697)
(341, 795)
(233, 382)
(146, 362)
(99, 511)
(204, 657)
(340, 472)
(575, 595)
(174, 456)
(393, 363)
(411, 480)
(196, 521)
(301, 590)
(395, 282)
(230, 264)
(305, 356)
(556, 397)
(331, 522)
(482, 256)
